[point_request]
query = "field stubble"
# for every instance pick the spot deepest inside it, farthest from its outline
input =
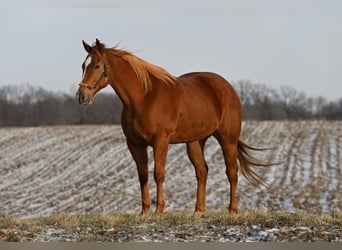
(87, 169)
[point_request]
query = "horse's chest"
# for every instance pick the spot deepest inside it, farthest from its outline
(137, 132)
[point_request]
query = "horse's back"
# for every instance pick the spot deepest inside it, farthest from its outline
(212, 84)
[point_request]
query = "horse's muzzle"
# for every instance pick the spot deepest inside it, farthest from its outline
(84, 97)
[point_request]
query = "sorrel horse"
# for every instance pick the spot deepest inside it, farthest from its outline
(159, 109)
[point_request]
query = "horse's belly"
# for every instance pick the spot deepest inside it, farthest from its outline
(193, 131)
(189, 138)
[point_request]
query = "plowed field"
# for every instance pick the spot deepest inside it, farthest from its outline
(88, 169)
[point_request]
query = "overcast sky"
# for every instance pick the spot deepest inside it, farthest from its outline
(294, 42)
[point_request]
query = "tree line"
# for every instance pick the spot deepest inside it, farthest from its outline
(27, 105)
(260, 102)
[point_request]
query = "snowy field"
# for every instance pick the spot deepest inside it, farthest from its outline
(88, 169)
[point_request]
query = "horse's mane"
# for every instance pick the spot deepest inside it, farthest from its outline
(143, 69)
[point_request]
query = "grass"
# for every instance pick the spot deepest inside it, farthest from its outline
(174, 219)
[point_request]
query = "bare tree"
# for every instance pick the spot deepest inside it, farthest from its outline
(259, 101)
(316, 105)
(332, 110)
(293, 103)
(244, 89)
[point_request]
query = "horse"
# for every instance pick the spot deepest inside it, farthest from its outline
(161, 109)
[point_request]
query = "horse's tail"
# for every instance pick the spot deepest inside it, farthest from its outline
(247, 162)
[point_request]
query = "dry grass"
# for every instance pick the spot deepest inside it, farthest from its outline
(95, 226)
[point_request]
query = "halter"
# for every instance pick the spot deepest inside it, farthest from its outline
(92, 88)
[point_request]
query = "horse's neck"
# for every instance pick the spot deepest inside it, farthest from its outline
(124, 81)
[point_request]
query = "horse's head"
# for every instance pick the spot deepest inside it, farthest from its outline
(94, 73)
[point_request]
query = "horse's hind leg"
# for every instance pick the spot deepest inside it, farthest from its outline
(230, 153)
(196, 155)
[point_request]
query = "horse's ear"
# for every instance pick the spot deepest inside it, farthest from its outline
(99, 46)
(87, 47)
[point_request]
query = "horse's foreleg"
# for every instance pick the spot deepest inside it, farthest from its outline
(160, 153)
(196, 156)
(141, 159)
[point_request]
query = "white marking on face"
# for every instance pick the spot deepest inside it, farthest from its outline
(88, 61)
(86, 64)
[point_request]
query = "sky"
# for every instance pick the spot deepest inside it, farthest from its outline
(295, 43)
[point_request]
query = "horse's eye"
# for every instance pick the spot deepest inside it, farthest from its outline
(97, 66)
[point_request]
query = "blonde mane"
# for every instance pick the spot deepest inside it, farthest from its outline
(144, 70)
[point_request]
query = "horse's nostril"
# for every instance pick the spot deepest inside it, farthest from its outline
(80, 97)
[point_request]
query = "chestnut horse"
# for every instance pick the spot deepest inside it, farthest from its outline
(159, 109)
